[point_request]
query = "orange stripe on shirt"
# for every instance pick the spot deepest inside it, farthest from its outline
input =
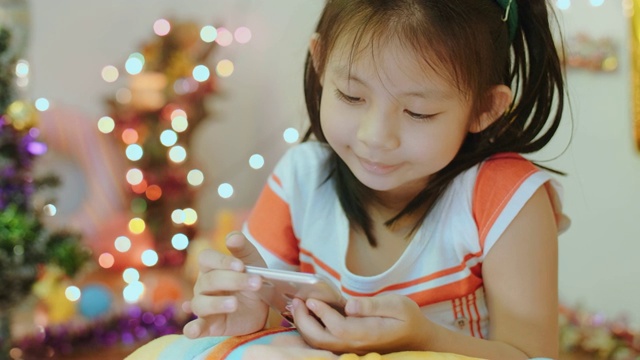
(306, 267)
(321, 264)
(498, 179)
(478, 317)
(435, 295)
(270, 224)
(446, 292)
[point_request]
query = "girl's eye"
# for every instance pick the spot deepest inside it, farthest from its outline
(422, 117)
(346, 98)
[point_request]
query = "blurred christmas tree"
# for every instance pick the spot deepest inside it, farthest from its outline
(153, 118)
(26, 246)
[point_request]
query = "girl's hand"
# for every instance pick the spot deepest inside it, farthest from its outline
(225, 298)
(384, 323)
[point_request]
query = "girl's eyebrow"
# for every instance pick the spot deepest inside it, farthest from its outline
(345, 73)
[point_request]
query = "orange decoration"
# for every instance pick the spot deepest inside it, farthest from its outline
(129, 136)
(166, 291)
(154, 192)
(140, 188)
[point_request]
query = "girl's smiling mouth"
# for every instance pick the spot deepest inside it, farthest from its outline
(377, 168)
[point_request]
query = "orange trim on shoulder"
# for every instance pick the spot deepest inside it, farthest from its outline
(270, 224)
(498, 179)
(276, 179)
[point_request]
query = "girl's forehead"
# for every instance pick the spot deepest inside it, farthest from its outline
(386, 59)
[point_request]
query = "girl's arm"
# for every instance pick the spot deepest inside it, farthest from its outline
(521, 288)
(520, 277)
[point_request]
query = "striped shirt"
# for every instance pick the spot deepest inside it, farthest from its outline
(298, 224)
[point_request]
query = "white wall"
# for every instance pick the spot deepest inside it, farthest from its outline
(71, 40)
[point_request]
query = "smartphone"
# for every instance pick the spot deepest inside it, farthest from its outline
(280, 287)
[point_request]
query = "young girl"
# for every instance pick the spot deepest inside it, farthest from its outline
(409, 191)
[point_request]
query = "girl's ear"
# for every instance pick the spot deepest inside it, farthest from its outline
(500, 98)
(314, 43)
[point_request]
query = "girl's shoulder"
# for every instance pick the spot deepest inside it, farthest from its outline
(504, 169)
(499, 177)
(306, 163)
(306, 156)
(503, 184)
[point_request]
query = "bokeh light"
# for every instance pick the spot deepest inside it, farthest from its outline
(22, 69)
(178, 112)
(201, 73)
(134, 152)
(72, 293)
(208, 34)
(106, 124)
(563, 4)
(137, 225)
(42, 104)
(129, 136)
(190, 216)
(242, 35)
(180, 241)
(195, 177)
(256, 161)
(110, 73)
(179, 123)
(134, 176)
(161, 27)
(291, 135)
(135, 63)
(177, 154)
(138, 205)
(140, 188)
(106, 260)
(130, 275)
(153, 192)
(224, 68)
(168, 138)
(225, 37)
(149, 257)
(122, 244)
(178, 216)
(225, 190)
(50, 210)
(133, 292)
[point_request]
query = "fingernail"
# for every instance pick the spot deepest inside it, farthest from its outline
(190, 331)
(236, 265)
(351, 307)
(312, 304)
(254, 282)
(296, 303)
(228, 304)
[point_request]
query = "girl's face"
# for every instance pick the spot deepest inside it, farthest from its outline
(391, 120)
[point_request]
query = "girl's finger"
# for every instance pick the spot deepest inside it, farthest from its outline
(211, 305)
(218, 281)
(209, 259)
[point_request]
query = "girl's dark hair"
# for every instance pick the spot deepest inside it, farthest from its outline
(468, 40)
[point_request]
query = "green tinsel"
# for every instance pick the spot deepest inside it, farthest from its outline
(25, 245)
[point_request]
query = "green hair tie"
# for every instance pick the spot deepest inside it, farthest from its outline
(510, 15)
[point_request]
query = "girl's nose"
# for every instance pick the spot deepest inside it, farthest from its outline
(377, 130)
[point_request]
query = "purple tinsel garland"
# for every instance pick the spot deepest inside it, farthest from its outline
(135, 325)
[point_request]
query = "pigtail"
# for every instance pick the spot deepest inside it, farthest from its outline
(538, 81)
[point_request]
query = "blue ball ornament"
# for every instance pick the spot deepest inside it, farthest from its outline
(95, 300)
